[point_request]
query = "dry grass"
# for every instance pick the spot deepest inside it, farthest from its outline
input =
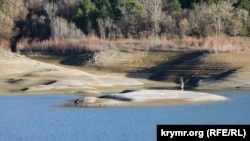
(61, 45)
(217, 44)
(93, 43)
(227, 44)
(213, 44)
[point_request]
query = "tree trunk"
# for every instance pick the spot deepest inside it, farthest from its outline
(182, 84)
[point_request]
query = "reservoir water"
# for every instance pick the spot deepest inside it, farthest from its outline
(40, 118)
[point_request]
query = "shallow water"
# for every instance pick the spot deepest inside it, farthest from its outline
(40, 118)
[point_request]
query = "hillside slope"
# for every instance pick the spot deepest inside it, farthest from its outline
(21, 75)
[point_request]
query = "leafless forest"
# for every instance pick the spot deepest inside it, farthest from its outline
(79, 25)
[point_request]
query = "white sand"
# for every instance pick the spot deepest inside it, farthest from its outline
(147, 95)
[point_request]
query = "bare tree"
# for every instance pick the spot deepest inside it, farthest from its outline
(51, 9)
(221, 13)
(154, 8)
(67, 8)
(105, 27)
(238, 23)
(168, 26)
(183, 81)
(33, 3)
(131, 14)
(198, 18)
(108, 22)
(184, 26)
(15, 9)
(65, 30)
(100, 23)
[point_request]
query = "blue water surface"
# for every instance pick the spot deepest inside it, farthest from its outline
(40, 118)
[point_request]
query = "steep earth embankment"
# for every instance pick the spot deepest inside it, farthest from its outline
(198, 68)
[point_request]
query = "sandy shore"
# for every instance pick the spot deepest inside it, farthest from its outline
(146, 98)
(21, 75)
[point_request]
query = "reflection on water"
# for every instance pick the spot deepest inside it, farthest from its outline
(29, 118)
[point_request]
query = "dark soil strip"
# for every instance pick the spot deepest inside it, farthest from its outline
(13, 81)
(115, 97)
(126, 91)
(24, 89)
(49, 82)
